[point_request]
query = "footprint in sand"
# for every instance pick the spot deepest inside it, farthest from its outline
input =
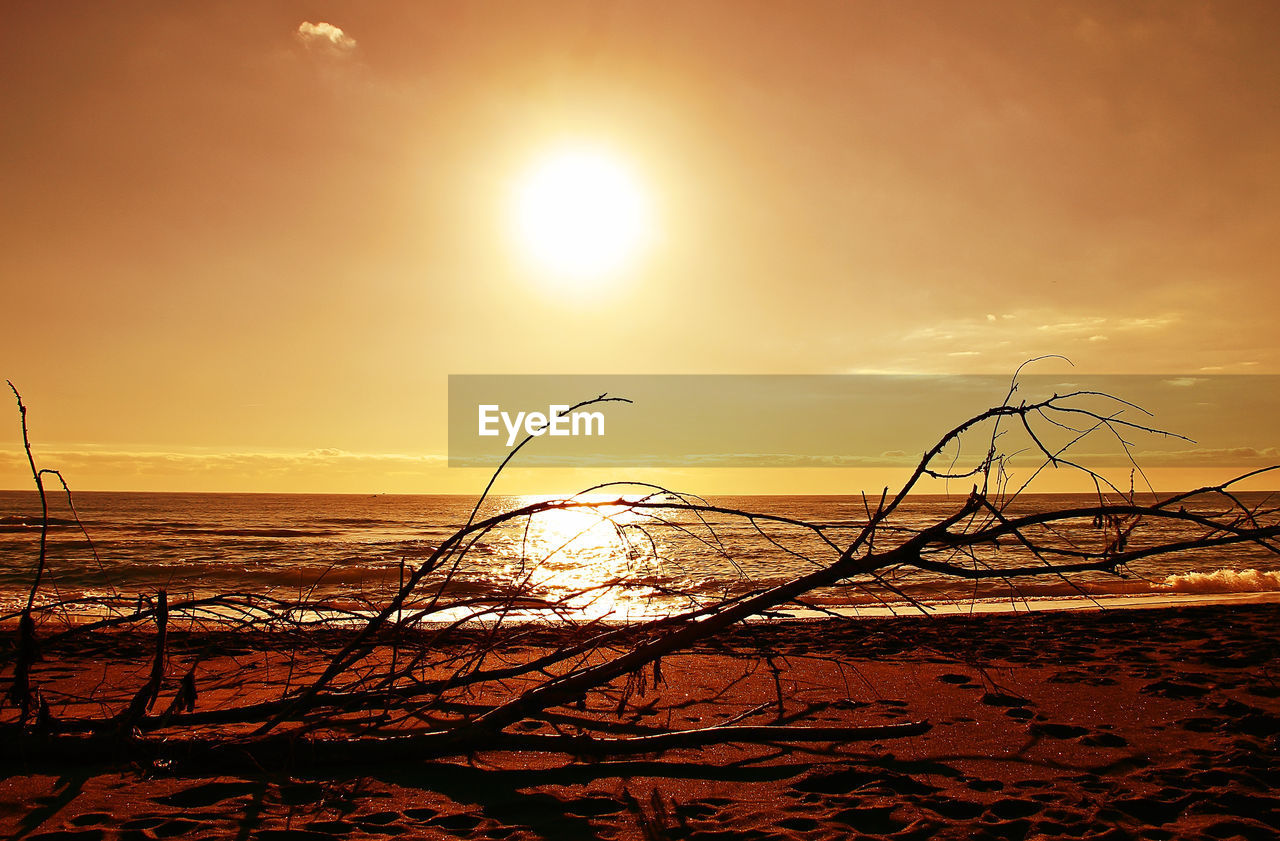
(1174, 690)
(1000, 699)
(1093, 783)
(697, 810)
(1011, 807)
(377, 822)
(593, 806)
(1149, 810)
(458, 822)
(1201, 724)
(843, 780)
(1058, 731)
(873, 820)
(954, 809)
(951, 677)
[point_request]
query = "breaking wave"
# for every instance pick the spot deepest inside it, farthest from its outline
(1223, 581)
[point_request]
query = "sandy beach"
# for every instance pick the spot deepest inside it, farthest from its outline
(1153, 724)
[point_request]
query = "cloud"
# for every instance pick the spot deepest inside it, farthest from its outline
(150, 463)
(1082, 324)
(888, 459)
(1002, 340)
(325, 37)
(1158, 322)
(1223, 456)
(1202, 457)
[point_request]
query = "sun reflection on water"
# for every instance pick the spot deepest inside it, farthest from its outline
(595, 562)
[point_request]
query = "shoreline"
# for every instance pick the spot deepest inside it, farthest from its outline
(941, 608)
(1152, 724)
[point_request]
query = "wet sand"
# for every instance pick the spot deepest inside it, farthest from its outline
(1125, 724)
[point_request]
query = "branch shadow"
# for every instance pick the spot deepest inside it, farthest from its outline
(67, 788)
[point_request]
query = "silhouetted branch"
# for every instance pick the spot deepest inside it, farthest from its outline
(434, 669)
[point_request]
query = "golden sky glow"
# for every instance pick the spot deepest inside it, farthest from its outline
(244, 244)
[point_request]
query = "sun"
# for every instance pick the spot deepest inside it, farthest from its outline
(580, 214)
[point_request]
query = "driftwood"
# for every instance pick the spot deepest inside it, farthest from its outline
(428, 673)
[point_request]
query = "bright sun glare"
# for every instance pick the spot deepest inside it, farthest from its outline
(580, 215)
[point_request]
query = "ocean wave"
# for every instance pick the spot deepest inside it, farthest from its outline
(23, 521)
(1220, 581)
(1216, 582)
(363, 522)
(252, 532)
(1198, 583)
(1224, 581)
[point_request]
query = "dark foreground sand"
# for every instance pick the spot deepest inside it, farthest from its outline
(1129, 724)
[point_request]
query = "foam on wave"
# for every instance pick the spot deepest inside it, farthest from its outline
(1224, 581)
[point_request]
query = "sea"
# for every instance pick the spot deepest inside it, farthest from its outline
(350, 553)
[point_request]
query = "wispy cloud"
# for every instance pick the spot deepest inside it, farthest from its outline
(890, 458)
(1224, 456)
(1005, 339)
(1073, 326)
(152, 463)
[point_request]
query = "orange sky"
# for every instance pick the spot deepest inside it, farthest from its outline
(241, 256)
